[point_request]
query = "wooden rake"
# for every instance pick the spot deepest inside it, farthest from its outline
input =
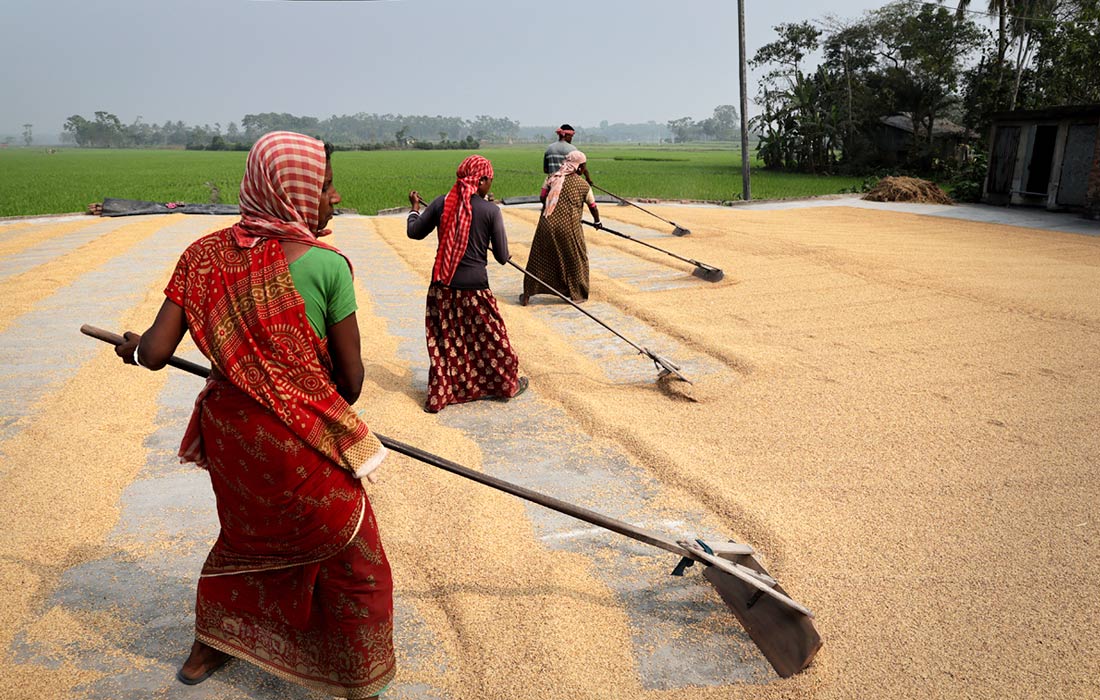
(677, 229)
(780, 627)
(664, 365)
(702, 270)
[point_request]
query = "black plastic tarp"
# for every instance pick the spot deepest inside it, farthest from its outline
(133, 207)
(534, 199)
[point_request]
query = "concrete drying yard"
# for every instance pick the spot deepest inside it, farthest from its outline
(898, 408)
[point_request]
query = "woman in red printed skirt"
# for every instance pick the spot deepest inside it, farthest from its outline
(468, 347)
(297, 582)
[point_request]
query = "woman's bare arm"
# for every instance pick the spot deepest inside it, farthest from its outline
(158, 343)
(347, 363)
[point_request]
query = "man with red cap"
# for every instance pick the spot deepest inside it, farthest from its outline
(468, 347)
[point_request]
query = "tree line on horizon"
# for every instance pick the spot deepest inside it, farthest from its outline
(374, 131)
(106, 130)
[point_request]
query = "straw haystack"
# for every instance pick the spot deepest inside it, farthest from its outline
(907, 189)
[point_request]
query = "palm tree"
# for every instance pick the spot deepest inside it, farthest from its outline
(1028, 13)
(1000, 10)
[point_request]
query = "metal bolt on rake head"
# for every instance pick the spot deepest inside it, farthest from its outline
(666, 367)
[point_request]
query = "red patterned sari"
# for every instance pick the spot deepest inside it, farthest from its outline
(297, 582)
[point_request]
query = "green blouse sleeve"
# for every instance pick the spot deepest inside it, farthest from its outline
(341, 296)
(323, 278)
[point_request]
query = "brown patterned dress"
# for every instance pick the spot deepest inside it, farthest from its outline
(559, 256)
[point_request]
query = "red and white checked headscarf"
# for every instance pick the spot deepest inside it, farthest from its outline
(281, 189)
(565, 132)
(573, 161)
(458, 213)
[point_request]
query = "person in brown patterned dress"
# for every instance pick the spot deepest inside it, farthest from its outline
(558, 255)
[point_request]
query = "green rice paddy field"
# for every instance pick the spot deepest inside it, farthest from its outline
(33, 181)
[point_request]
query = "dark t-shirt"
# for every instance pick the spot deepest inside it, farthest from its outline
(486, 230)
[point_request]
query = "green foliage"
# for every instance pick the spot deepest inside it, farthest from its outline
(1065, 62)
(33, 183)
(866, 185)
(366, 128)
(104, 132)
(798, 128)
(786, 52)
(108, 131)
(469, 143)
(723, 125)
(1044, 55)
(655, 159)
(905, 57)
(985, 92)
(965, 183)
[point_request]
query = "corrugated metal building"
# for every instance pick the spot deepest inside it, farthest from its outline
(1046, 157)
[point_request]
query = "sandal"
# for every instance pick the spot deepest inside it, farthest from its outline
(211, 671)
(521, 386)
(218, 665)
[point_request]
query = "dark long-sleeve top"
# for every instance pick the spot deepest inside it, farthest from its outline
(486, 231)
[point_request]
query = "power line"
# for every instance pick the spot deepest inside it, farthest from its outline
(1010, 18)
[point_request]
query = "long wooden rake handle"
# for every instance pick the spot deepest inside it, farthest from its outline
(620, 234)
(588, 516)
(662, 363)
(578, 307)
(627, 201)
(781, 628)
(116, 339)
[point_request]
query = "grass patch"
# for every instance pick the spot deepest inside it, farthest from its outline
(649, 158)
(35, 182)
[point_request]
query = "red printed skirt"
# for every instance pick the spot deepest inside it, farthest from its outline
(471, 357)
(298, 582)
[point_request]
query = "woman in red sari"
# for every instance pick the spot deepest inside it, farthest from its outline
(297, 582)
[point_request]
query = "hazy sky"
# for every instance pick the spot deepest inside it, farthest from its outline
(540, 63)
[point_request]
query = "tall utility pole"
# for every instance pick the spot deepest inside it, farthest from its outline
(746, 194)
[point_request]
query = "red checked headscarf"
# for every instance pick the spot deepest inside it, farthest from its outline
(573, 161)
(281, 189)
(246, 316)
(458, 213)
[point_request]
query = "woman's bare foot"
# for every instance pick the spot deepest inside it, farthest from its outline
(202, 662)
